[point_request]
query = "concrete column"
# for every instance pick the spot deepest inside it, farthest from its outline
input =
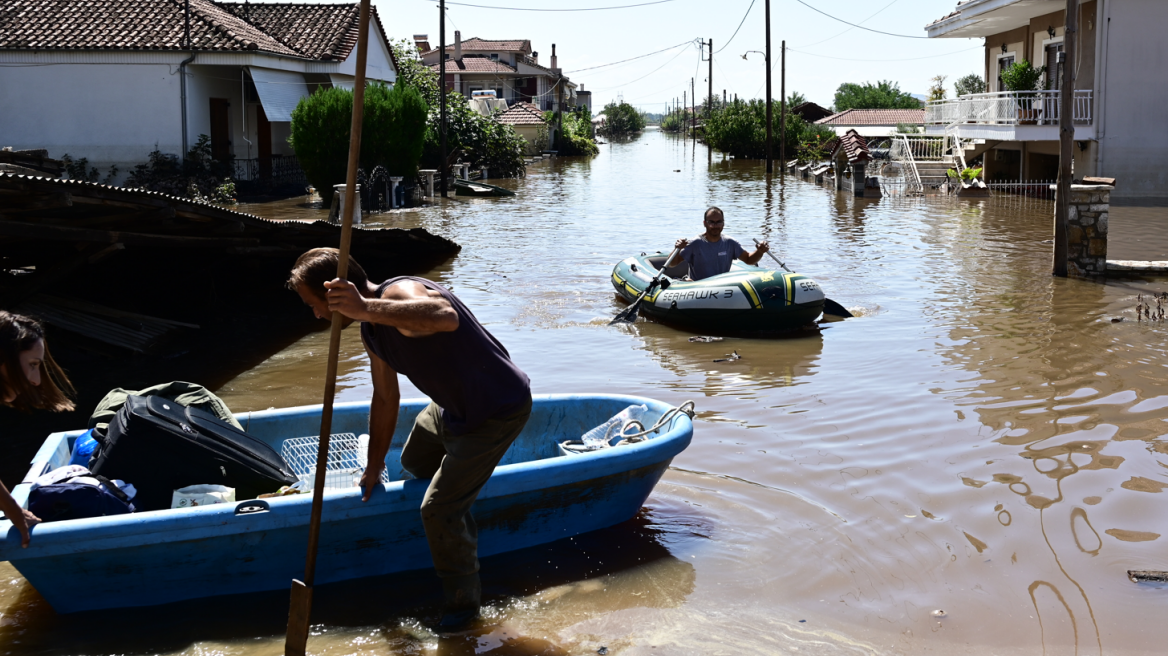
(484, 173)
(1087, 230)
(339, 190)
(393, 182)
(429, 173)
(840, 168)
(465, 171)
(858, 179)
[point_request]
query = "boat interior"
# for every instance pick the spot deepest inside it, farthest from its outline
(554, 419)
(677, 271)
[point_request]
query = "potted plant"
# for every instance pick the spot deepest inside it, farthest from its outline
(970, 182)
(1022, 79)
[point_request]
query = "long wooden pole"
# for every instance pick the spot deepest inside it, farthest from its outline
(1066, 140)
(300, 605)
(770, 164)
(442, 94)
(783, 107)
(710, 101)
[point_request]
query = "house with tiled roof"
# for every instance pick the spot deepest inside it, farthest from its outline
(111, 80)
(509, 67)
(1120, 91)
(528, 122)
(873, 122)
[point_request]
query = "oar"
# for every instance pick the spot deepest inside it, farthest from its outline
(829, 306)
(300, 604)
(629, 314)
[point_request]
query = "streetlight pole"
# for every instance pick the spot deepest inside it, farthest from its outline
(770, 164)
(442, 95)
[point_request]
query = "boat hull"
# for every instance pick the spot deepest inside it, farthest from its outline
(746, 299)
(167, 556)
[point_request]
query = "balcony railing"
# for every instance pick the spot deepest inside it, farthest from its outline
(1008, 108)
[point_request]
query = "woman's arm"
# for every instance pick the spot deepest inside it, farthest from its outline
(20, 518)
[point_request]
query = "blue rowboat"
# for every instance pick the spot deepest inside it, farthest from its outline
(535, 496)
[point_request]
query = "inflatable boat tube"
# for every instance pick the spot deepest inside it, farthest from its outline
(745, 299)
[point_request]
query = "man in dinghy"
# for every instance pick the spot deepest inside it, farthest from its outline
(480, 402)
(711, 254)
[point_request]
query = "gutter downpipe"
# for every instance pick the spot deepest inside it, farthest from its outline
(182, 72)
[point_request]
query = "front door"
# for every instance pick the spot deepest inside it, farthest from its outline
(220, 130)
(264, 143)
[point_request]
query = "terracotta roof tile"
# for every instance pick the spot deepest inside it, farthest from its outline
(475, 65)
(522, 113)
(855, 147)
(476, 44)
(313, 31)
(875, 117)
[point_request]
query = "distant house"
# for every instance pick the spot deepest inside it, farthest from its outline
(809, 111)
(509, 67)
(1121, 89)
(873, 122)
(527, 119)
(110, 80)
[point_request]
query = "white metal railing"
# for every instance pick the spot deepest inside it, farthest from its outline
(1008, 108)
(922, 149)
(903, 152)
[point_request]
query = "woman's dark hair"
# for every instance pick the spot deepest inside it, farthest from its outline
(318, 266)
(18, 334)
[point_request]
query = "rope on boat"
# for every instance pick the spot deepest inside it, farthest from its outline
(632, 438)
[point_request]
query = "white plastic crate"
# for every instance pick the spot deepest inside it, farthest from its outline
(346, 460)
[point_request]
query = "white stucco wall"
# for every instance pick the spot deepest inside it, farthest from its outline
(1133, 97)
(112, 114)
(378, 65)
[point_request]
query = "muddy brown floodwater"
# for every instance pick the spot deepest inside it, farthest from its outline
(968, 468)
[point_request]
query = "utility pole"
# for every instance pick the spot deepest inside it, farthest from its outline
(710, 100)
(1066, 140)
(693, 99)
(442, 95)
(684, 105)
(770, 164)
(783, 107)
(723, 96)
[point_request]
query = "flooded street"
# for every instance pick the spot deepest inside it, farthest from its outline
(969, 467)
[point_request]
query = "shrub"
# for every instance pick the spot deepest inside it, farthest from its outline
(672, 121)
(482, 140)
(622, 119)
(80, 169)
(199, 176)
(971, 83)
(576, 136)
(1021, 76)
(739, 129)
(392, 133)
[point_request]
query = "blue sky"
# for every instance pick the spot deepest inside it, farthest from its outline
(592, 38)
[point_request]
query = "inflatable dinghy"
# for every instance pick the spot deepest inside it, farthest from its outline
(747, 298)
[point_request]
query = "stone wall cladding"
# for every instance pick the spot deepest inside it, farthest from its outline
(1087, 220)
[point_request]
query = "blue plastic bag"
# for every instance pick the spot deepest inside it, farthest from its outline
(83, 448)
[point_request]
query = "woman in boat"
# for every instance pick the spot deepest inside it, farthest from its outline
(29, 380)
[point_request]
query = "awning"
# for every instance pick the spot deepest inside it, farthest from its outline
(280, 92)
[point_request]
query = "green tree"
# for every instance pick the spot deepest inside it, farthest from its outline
(882, 95)
(622, 119)
(393, 129)
(740, 130)
(576, 136)
(937, 91)
(412, 72)
(971, 83)
(794, 99)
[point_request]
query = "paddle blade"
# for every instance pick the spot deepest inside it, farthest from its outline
(835, 309)
(628, 315)
(299, 611)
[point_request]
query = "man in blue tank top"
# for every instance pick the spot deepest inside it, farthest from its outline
(711, 254)
(480, 402)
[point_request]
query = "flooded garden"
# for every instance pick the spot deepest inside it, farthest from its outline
(969, 466)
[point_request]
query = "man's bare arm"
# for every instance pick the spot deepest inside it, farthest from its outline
(382, 420)
(753, 258)
(408, 305)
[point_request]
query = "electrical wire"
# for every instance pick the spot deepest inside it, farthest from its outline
(740, 27)
(808, 45)
(590, 68)
(811, 54)
(647, 74)
(643, 4)
(903, 36)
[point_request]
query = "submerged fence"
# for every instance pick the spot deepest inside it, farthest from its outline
(279, 169)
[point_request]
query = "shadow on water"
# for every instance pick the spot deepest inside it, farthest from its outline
(569, 577)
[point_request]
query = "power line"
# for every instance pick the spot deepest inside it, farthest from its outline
(903, 36)
(740, 27)
(685, 43)
(808, 45)
(811, 54)
(643, 4)
(680, 53)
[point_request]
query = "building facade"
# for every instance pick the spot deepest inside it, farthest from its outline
(112, 80)
(1120, 91)
(508, 67)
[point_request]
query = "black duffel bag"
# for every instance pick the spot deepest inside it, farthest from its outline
(160, 446)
